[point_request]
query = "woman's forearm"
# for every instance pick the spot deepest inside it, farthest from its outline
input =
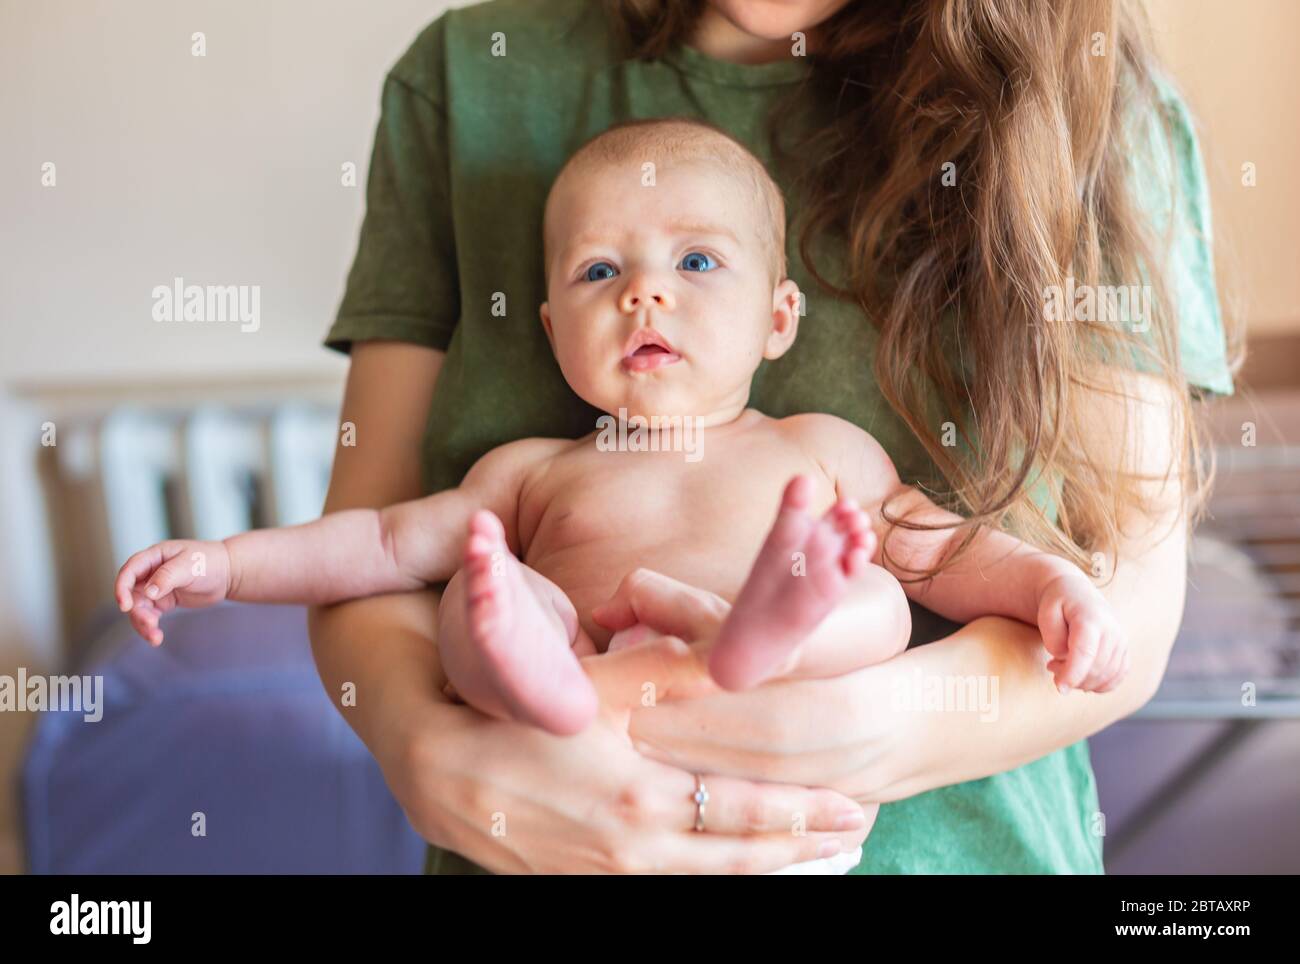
(375, 656)
(1028, 718)
(1129, 432)
(378, 661)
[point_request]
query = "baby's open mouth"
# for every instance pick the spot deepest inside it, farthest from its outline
(647, 350)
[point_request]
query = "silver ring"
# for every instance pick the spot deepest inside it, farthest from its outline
(701, 797)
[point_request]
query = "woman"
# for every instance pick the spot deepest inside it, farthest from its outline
(947, 163)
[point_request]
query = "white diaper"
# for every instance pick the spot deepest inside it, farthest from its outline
(839, 864)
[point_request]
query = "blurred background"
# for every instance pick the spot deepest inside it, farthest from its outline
(129, 162)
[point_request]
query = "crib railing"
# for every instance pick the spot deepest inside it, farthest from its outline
(139, 475)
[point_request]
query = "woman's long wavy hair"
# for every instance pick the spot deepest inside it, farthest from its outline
(1041, 126)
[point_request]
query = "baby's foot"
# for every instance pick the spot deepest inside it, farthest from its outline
(525, 646)
(804, 569)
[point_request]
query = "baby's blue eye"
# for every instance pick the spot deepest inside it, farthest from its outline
(600, 266)
(697, 261)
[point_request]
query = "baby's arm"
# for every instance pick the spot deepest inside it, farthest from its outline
(997, 575)
(343, 555)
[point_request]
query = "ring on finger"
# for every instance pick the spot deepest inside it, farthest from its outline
(701, 798)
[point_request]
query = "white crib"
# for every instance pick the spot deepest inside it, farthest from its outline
(135, 473)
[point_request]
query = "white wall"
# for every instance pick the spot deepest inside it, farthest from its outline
(222, 169)
(1237, 63)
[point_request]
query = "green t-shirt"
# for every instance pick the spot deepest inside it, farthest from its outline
(468, 143)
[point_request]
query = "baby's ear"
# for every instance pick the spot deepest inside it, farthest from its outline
(786, 302)
(545, 312)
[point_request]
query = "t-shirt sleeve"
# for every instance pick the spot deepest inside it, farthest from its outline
(1190, 268)
(403, 283)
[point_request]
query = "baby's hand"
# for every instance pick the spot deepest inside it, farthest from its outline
(172, 573)
(1079, 629)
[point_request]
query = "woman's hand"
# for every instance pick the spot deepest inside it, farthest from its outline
(865, 734)
(810, 732)
(515, 799)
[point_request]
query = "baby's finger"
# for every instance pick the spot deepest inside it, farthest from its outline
(142, 605)
(163, 605)
(1119, 676)
(137, 567)
(1084, 642)
(1100, 661)
(174, 574)
(1052, 627)
(146, 624)
(152, 606)
(1104, 678)
(1099, 673)
(1119, 640)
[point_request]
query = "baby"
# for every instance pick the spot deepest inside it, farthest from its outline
(664, 250)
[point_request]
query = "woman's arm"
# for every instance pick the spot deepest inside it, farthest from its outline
(879, 750)
(387, 397)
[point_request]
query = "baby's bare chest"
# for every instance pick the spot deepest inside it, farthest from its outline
(595, 516)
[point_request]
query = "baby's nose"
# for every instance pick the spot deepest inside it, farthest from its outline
(644, 292)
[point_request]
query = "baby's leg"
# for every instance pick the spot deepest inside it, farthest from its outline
(871, 624)
(509, 639)
(813, 604)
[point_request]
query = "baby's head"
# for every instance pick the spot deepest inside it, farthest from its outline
(664, 243)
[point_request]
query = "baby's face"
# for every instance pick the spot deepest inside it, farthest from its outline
(660, 298)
